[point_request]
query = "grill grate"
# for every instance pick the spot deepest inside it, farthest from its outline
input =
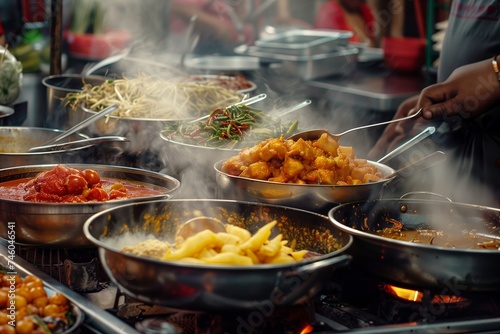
(77, 268)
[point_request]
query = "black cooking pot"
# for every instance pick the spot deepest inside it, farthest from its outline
(433, 265)
(216, 287)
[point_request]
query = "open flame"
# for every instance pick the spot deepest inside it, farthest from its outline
(307, 329)
(406, 294)
(417, 296)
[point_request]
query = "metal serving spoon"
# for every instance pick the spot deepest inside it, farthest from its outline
(296, 107)
(315, 134)
(78, 143)
(80, 126)
(199, 224)
(423, 163)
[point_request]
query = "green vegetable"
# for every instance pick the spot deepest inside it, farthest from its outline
(232, 127)
(40, 324)
(10, 77)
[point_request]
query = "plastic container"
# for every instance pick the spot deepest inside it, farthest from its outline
(90, 46)
(404, 54)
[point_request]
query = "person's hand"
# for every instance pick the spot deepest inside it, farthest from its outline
(395, 133)
(469, 91)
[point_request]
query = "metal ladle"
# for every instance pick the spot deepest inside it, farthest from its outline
(423, 163)
(315, 134)
(78, 126)
(78, 143)
(199, 224)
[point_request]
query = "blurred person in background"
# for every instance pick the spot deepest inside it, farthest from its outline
(11, 21)
(221, 25)
(351, 15)
(2, 34)
(390, 18)
(463, 105)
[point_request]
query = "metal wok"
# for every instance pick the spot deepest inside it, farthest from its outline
(313, 197)
(215, 287)
(429, 266)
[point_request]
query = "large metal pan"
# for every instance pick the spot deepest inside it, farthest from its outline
(16, 141)
(313, 197)
(216, 287)
(409, 264)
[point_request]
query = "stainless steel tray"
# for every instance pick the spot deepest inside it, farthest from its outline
(340, 62)
(304, 42)
(223, 63)
(96, 319)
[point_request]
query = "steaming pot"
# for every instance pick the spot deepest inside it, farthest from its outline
(409, 264)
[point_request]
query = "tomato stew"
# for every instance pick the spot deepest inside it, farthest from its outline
(64, 184)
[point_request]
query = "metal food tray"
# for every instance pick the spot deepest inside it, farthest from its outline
(304, 42)
(340, 62)
(95, 319)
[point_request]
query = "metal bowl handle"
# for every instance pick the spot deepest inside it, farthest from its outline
(428, 193)
(331, 262)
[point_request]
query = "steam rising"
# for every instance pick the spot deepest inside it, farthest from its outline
(158, 52)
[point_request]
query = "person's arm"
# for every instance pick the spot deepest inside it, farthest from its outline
(394, 133)
(470, 91)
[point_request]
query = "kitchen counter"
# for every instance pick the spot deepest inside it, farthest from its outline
(375, 88)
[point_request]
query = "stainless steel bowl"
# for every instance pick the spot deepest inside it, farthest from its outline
(4, 113)
(215, 287)
(15, 142)
(313, 197)
(61, 224)
(189, 155)
(58, 86)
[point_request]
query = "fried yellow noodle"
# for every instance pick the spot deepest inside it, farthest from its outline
(235, 246)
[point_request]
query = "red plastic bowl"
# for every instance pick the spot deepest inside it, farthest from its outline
(404, 54)
(100, 46)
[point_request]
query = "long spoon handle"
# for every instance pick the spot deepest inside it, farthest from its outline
(382, 123)
(403, 147)
(82, 124)
(294, 108)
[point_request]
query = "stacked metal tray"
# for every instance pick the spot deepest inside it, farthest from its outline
(304, 42)
(307, 54)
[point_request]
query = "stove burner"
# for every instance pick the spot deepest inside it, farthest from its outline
(280, 321)
(78, 268)
(157, 326)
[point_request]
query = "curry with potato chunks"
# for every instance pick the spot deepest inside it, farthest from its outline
(63, 184)
(321, 161)
(235, 246)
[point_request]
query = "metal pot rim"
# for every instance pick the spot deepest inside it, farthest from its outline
(373, 238)
(40, 168)
(178, 264)
(83, 136)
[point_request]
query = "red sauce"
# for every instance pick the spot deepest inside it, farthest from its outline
(64, 184)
